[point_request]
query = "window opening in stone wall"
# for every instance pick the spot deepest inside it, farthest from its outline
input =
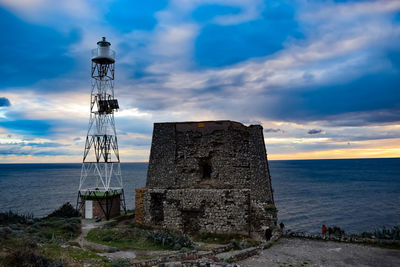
(191, 220)
(205, 169)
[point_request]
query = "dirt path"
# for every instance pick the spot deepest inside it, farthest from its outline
(303, 252)
(103, 250)
(87, 225)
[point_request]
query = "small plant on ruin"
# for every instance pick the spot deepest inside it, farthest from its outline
(270, 208)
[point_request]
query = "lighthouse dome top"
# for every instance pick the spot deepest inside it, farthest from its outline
(103, 54)
(103, 42)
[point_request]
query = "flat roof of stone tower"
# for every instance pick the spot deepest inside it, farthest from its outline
(206, 125)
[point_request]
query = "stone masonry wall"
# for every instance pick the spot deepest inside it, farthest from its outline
(211, 154)
(200, 210)
(209, 176)
(139, 205)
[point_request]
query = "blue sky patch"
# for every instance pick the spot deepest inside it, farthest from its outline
(126, 16)
(31, 127)
(221, 45)
(32, 52)
(206, 13)
(4, 102)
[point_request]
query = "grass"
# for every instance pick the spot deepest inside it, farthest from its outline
(125, 239)
(74, 256)
(47, 230)
(217, 238)
(28, 254)
(128, 235)
(28, 241)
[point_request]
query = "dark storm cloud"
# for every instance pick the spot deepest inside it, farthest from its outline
(4, 102)
(369, 100)
(271, 130)
(355, 119)
(315, 131)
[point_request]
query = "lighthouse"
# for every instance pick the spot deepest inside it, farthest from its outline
(101, 192)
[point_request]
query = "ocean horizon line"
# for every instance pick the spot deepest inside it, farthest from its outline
(268, 160)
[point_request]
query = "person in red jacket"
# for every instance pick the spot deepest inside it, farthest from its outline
(324, 229)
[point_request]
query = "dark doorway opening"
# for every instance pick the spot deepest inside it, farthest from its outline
(157, 208)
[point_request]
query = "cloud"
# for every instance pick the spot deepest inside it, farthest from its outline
(4, 102)
(271, 130)
(47, 11)
(316, 131)
(286, 65)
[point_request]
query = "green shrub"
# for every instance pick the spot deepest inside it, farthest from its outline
(244, 244)
(336, 231)
(28, 255)
(388, 233)
(5, 232)
(65, 211)
(44, 236)
(234, 244)
(112, 249)
(71, 227)
(169, 239)
(10, 217)
(107, 238)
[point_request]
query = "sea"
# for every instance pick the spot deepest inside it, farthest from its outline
(355, 194)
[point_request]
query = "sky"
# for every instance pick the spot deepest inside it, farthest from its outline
(321, 77)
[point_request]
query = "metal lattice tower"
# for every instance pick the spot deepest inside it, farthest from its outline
(101, 171)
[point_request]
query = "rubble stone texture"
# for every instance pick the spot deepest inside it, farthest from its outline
(209, 176)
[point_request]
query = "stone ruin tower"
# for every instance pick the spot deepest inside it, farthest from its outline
(209, 176)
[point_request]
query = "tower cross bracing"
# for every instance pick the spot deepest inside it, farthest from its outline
(101, 170)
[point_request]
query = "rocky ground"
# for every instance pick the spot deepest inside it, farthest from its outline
(305, 252)
(58, 241)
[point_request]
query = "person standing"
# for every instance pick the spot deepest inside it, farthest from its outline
(268, 234)
(281, 225)
(324, 229)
